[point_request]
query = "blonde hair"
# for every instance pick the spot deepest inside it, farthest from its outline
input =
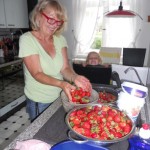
(40, 7)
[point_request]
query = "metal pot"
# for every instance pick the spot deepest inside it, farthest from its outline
(84, 139)
(108, 90)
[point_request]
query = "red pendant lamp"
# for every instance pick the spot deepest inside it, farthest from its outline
(121, 13)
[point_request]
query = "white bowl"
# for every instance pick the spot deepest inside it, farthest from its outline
(70, 105)
(134, 89)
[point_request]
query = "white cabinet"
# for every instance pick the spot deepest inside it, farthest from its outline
(14, 14)
(12, 105)
(2, 15)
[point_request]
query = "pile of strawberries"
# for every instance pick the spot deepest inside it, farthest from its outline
(101, 123)
(79, 96)
(106, 97)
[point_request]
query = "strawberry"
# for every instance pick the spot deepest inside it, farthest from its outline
(145, 126)
(117, 118)
(100, 122)
(78, 96)
(86, 125)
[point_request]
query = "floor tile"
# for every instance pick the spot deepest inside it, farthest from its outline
(14, 127)
(1, 129)
(19, 113)
(10, 129)
(13, 118)
(1, 140)
(5, 144)
(23, 127)
(5, 124)
(5, 134)
(22, 120)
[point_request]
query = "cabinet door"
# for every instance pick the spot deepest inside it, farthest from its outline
(12, 105)
(2, 15)
(16, 13)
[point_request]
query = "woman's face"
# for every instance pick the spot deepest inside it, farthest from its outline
(49, 22)
(93, 59)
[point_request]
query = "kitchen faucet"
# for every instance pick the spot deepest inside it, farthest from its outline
(131, 68)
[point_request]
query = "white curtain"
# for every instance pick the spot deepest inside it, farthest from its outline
(118, 32)
(85, 13)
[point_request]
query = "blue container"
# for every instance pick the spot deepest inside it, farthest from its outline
(137, 143)
(71, 145)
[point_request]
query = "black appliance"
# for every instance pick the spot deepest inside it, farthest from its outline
(134, 56)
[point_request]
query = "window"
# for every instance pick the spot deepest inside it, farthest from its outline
(107, 32)
(97, 36)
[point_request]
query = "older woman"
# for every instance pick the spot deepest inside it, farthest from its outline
(44, 53)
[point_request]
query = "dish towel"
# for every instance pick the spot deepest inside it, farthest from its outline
(32, 145)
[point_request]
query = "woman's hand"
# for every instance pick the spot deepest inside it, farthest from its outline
(83, 82)
(67, 87)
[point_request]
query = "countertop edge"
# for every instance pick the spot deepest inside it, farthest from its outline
(10, 63)
(34, 127)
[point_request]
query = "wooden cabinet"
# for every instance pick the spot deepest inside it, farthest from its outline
(14, 14)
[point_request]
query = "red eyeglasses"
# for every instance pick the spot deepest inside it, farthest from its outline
(52, 21)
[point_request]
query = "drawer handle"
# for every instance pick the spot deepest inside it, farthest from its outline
(12, 25)
(2, 25)
(14, 104)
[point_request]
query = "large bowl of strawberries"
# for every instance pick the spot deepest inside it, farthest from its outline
(79, 98)
(107, 95)
(99, 124)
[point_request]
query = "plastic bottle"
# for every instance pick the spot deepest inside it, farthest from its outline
(142, 140)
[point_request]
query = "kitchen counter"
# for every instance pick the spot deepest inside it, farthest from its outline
(6, 62)
(44, 118)
(33, 129)
(37, 124)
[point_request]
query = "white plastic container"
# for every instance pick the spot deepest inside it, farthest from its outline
(130, 104)
(134, 89)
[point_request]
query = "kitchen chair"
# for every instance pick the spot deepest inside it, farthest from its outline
(97, 74)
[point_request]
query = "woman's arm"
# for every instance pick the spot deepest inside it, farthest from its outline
(69, 74)
(32, 63)
(67, 71)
